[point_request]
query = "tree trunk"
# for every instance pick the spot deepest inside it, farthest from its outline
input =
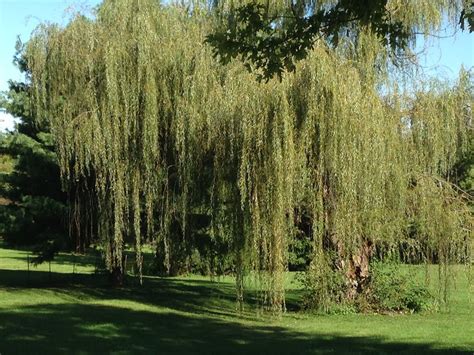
(358, 271)
(116, 276)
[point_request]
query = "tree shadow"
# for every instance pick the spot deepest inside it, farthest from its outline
(184, 295)
(67, 328)
(63, 260)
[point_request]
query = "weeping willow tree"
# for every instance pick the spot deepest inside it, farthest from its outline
(135, 98)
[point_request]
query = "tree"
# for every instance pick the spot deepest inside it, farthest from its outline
(135, 97)
(37, 210)
(271, 37)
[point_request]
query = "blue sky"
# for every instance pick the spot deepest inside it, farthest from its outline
(442, 57)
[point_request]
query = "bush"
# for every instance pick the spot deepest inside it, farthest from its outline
(299, 252)
(395, 288)
(325, 287)
(392, 287)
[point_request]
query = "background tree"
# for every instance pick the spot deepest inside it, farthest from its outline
(270, 37)
(36, 212)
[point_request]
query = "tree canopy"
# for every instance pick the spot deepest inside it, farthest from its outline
(271, 36)
(135, 99)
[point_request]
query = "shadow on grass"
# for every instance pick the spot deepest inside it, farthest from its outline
(186, 295)
(166, 316)
(75, 328)
(195, 296)
(82, 260)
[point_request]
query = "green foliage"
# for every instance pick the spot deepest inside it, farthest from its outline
(462, 173)
(325, 287)
(35, 213)
(467, 15)
(34, 220)
(6, 162)
(273, 36)
(162, 132)
(299, 253)
(394, 287)
(6, 167)
(300, 245)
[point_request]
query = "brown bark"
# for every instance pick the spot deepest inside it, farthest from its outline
(358, 271)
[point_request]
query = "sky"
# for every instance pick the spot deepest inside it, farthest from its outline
(441, 56)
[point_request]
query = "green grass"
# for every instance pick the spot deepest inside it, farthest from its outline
(69, 313)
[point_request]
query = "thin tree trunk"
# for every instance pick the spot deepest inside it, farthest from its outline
(116, 276)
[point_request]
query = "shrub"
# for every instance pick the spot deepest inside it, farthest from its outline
(324, 287)
(395, 288)
(392, 287)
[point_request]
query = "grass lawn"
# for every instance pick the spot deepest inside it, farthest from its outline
(69, 313)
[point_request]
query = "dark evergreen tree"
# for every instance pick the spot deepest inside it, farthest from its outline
(34, 210)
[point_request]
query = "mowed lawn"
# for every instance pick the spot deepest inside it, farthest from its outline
(69, 313)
